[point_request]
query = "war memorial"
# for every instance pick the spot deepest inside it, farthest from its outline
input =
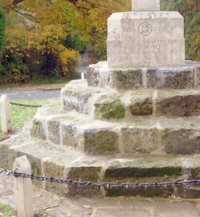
(136, 118)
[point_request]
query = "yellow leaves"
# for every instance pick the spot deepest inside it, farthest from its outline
(68, 60)
(197, 41)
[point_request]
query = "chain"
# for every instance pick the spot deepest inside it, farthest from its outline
(80, 183)
(25, 105)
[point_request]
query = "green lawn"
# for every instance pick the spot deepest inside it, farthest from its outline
(8, 211)
(20, 115)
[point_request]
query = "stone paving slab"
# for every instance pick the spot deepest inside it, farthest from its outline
(56, 206)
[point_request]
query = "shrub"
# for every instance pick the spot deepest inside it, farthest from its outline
(2, 29)
(37, 53)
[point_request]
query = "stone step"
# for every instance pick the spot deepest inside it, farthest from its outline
(180, 77)
(112, 104)
(57, 161)
(152, 135)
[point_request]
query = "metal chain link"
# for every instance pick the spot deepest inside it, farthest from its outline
(25, 105)
(80, 183)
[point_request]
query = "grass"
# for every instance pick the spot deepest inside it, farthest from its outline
(6, 210)
(20, 115)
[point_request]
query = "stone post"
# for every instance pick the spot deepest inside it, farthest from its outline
(5, 114)
(145, 5)
(82, 76)
(23, 193)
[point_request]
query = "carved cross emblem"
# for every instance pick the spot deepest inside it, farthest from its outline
(145, 28)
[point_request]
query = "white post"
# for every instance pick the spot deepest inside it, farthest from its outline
(5, 114)
(23, 192)
(82, 76)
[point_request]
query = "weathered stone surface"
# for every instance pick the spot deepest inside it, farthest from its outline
(84, 172)
(185, 103)
(102, 142)
(181, 141)
(54, 170)
(141, 105)
(181, 77)
(140, 140)
(38, 129)
(99, 75)
(76, 95)
(92, 76)
(177, 78)
(142, 192)
(145, 39)
(148, 170)
(145, 5)
(7, 156)
(126, 79)
(68, 137)
(53, 127)
(109, 107)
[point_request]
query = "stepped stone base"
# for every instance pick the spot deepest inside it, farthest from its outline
(186, 76)
(113, 104)
(153, 135)
(112, 135)
(63, 161)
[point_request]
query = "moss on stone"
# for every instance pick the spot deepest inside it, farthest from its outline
(110, 110)
(143, 192)
(36, 171)
(127, 79)
(142, 172)
(52, 170)
(84, 173)
(102, 142)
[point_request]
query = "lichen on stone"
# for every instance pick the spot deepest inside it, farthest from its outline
(101, 142)
(109, 107)
(141, 106)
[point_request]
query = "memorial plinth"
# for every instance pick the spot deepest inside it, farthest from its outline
(145, 39)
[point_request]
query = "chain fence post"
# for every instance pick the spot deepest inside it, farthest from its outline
(82, 76)
(23, 190)
(5, 114)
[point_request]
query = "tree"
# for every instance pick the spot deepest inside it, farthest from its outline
(2, 30)
(43, 35)
(190, 9)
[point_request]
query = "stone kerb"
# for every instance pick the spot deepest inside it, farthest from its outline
(145, 39)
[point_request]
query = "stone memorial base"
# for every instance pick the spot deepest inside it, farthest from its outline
(126, 122)
(104, 134)
(177, 77)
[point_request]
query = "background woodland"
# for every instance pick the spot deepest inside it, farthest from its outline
(44, 38)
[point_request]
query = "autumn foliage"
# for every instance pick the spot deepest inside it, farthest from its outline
(44, 37)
